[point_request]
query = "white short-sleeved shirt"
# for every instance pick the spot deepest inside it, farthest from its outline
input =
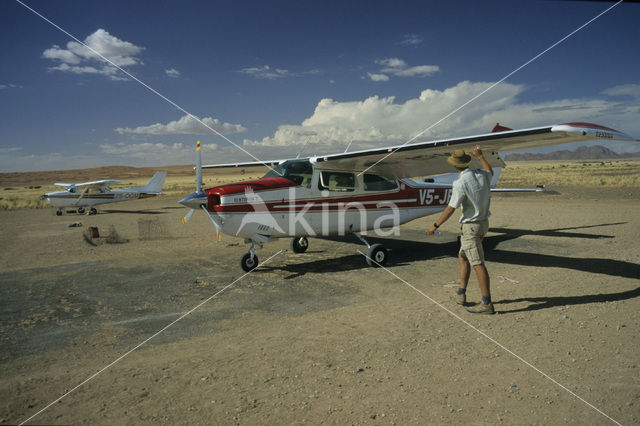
(472, 192)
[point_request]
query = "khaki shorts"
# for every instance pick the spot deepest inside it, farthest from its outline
(471, 241)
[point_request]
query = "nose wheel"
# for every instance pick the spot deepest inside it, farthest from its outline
(249, 262)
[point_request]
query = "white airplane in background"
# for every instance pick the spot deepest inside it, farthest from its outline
(90, 194)
(354, 192)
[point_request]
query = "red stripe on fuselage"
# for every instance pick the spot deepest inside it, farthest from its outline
(408, 198)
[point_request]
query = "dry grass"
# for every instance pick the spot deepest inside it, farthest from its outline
(20, 191)
(591, 174)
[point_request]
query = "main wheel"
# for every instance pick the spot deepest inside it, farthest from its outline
(93, 211)
(377, 255)
(59, 212)
(299, 244)
(248, 262)
(80, 210)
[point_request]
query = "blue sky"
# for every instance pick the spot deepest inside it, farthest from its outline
(281, 78)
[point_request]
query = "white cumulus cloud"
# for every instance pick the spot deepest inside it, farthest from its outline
(173, 73)
(378, 77)
(399, 68)
(187, 125)
(411, 40)
(267, 73)
(85, 59)
(382, 121)
(632, 90)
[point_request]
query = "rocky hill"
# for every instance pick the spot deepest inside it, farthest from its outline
(597, 152)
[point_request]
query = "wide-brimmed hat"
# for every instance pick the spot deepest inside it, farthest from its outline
(459, 158)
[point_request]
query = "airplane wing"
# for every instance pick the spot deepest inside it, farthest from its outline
(252, 165)
(103, 182)
(430, 158)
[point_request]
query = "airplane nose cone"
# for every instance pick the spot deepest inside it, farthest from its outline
(194, 200)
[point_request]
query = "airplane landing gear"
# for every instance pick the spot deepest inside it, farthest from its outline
(93, 211)
(249, 261)
(299, 244)
(59, 212)
(80, 210)
(377, 255)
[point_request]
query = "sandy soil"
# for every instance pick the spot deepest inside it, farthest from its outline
(320, 337)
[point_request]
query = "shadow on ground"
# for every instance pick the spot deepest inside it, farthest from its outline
(403, 252)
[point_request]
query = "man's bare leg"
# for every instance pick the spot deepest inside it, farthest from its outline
(486, 307)
(483, 279)
(465, 272)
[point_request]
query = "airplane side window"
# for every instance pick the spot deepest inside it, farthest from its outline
(297, 171)
(378, 183)
(337, 181)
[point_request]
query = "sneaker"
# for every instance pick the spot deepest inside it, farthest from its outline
(482, 309)
(461, 299)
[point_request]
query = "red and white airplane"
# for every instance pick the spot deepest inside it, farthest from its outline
(358, 191)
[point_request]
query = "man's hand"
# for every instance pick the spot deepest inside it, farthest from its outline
(431, 230)
(477, 151)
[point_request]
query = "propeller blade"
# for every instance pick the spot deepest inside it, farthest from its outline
(214, 222)
(198, 168)
(186, 218)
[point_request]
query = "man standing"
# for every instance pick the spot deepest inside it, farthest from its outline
(471, 191)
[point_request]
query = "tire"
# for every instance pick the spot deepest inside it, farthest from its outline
(80, 210)
(248, 262)
(58, 212)
(299, 244)
(93, 211)
(377, 255)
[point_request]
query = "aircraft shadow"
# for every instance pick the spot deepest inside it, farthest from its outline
(403, 252)
(147, 212)
(338, 264)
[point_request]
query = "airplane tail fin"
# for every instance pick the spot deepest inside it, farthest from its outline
(155, 184)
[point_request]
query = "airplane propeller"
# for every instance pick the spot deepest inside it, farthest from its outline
(186, 217)
(198, 199)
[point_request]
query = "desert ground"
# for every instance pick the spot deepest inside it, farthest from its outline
(319, 337)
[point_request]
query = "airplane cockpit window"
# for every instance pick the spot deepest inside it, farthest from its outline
(337, 181)
(297, 171)
(378, 183)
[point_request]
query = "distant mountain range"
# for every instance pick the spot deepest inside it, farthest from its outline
(596, 152)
